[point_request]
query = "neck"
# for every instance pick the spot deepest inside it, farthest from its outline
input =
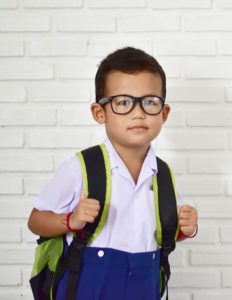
(132, 157)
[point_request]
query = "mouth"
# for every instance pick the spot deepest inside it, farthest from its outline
(138, 128)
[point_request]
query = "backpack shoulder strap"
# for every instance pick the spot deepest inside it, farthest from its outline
(97, 183)
(167, 226)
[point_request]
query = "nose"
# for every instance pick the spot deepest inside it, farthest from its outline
(137, 111)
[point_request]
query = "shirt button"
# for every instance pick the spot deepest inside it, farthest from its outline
(153, 256)
(130, 273)
(100, 253)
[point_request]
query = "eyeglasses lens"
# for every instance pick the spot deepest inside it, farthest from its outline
(123, 104)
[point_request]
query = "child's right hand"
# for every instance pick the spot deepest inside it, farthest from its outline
(86, 212)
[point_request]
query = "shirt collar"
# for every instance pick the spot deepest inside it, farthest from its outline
(149, 163)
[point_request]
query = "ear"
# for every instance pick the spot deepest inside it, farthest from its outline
(98, 113)
(165, 111)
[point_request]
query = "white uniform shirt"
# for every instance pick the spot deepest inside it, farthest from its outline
(131, 222)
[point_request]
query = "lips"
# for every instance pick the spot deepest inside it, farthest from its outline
(138, 128)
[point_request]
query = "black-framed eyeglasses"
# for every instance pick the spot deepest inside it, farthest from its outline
(123, 104)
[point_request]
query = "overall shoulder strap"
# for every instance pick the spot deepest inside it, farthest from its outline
(97, 182)
(166, 217)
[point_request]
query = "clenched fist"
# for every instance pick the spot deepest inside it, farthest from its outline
(86, 212)
(188, 217)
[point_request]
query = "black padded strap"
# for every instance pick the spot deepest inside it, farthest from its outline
(168, 217)
(96, 174)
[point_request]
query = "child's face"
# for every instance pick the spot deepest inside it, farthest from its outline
(136, 128)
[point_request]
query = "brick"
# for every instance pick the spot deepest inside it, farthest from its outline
(116, 3)
(8, 4)
(210, 164)
(11, 139)
(25, 23)
(206, 235)
(208, 94)
(208, 257)
(212, 70)
(97, 136)
(226, 236)
(215, 209)
(215, 295)
(12, 93)
(192, 141)
(229, 94)
(22, 293)
(208, 23)
(177, 164)
(27, 117)
(85, 23)
(224, 3)
(176, 119)
(185, 47)
(229, 187)
(150, 23)
(62, 139)
(194, 279)
(59, 93)
(80, 116)
(227, 278)
(201, 186)
(10, 185)
(178, 258)
(26, 163)
(11, 48)
(22, 208)
(216, 117)
(9, 294)
(102, 47)
(10, 276)
(14, 256)
(10, 233)
(52, 3)
(61, 47)
(225, 47)
(64, 154)
(25, 71)
(172, 70)
(28, 236)
(26, 272)
(178, 295)
(76, 70)
(33, 186)
(170, 4)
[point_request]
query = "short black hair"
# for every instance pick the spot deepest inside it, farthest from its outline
(128, 60)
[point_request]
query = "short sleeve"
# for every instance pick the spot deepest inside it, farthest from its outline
(61, 195)
(179, 198)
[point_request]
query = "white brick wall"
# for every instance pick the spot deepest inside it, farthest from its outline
(49, 52)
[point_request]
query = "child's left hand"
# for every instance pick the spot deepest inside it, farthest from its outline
(188, 217)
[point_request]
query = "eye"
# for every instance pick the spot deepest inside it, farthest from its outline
(150, 102)
(122, 101)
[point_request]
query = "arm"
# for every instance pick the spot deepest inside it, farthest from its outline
(188, 217)
(49, 224)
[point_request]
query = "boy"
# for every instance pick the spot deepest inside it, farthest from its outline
(123, 261)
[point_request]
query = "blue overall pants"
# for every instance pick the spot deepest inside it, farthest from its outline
(109, 274)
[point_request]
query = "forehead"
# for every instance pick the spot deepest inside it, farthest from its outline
(136, 84)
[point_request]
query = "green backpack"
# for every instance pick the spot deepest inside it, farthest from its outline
(51, 263)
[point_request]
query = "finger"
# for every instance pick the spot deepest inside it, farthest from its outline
(90, 204)
(185, 222)
(185, 215)
(188, 230)
(83, 195)
(186, 208)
